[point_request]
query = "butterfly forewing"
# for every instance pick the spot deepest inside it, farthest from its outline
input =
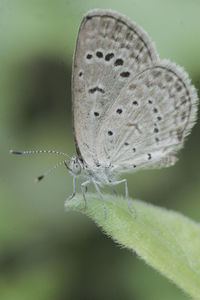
(109, 51)
(149, 120)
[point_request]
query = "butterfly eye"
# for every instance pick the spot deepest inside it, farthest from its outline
(76, 168)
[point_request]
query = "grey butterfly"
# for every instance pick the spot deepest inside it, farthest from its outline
(131, 110)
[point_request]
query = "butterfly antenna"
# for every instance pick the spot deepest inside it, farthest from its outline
(37, 152)
(39, 178)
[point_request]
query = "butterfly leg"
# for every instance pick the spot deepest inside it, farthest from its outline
(83, 189)
(101, 197)
(74, 189)
(126, 193)
(113, 189)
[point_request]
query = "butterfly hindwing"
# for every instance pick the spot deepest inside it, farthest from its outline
(149, 120)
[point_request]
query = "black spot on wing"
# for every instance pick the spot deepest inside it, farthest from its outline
(119, 62)
(109, 56)
(125, 74)
(96, 89)
(99, 54)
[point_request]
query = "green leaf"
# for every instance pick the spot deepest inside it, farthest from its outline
(164, 239)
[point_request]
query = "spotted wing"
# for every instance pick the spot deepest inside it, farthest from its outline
(109, 50)
(149, 120)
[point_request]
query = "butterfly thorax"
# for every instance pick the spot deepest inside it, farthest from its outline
(100, 174)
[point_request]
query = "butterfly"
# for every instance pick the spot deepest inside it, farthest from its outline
(131, 109)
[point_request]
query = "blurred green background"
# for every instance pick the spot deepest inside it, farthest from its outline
(46, 253)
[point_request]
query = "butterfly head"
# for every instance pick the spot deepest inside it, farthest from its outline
(75, 166)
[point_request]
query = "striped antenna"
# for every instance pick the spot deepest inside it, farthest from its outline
(39, 178)
(37, 152)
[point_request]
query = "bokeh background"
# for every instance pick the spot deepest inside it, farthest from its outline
(46, 253)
